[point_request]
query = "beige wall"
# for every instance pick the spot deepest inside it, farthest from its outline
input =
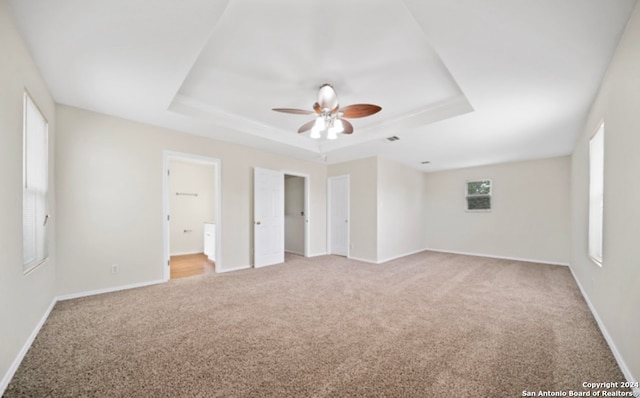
(363, 229)
(400, 208)
(386, 206)
(614, 289)
(188, 212)
(529, 219)
(109, 177)
(24, 299)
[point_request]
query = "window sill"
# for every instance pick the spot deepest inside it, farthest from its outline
(598, 262)
(34, 267)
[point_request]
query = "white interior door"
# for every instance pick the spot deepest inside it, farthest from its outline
(268, 214)
(339, 215)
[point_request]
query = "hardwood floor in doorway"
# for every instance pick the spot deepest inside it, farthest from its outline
(190, 265)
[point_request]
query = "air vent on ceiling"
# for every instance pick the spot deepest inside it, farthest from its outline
(392, 138)
(425, 162)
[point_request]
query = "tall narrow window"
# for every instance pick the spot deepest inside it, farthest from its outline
(35, 186)
(596, 194)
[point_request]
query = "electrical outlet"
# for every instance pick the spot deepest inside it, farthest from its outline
(115, 268)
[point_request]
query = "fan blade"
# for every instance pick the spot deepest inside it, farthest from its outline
(317, 108)
(348, 127)
(295, 111)
(360, 110)
(305, 127)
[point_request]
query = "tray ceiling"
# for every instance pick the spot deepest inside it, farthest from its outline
(460, 82)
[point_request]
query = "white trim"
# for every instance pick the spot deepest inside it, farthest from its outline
(318, 254)
(359, 259)
(307, 215)
(387, 259)
(186, 253)
(222, 271)
(400, 256)
(167, 155)
(295, 252)
(27, 344)
(107, 290)
(621, 363)
(526, 260)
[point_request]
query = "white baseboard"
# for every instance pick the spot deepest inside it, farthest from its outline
(18, 359)
(526, 260)
(364, 260)
(317, 254)
(389, 258)
(185, 253)
(222, 271)
(400, 256)
(294, 252)
(623, 365)
(107, 290)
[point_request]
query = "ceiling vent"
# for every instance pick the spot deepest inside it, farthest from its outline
(392, 138)
(425, 162)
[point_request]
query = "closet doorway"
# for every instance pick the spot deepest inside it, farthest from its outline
(296, 214)
(191, 201)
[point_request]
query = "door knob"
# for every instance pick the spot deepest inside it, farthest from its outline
(346, 221)
(257, 222)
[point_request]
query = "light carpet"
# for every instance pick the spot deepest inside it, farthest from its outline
(427, 325)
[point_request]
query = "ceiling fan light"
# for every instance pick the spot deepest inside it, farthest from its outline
(338, 126)
(332, 134)
(320, 123)
(315, 132)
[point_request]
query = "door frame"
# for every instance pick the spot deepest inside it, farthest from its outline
(167, 156)
(329, 214)
(307, 217)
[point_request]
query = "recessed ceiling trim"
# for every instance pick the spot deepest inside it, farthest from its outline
(193, 108)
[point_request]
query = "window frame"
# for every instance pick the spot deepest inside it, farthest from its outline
(41, 251)
(595, 228)
(489, 195)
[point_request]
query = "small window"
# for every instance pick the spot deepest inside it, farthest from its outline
(478, 195)
(35, 186)
(596, 194)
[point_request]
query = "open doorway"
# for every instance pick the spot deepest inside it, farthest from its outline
(294, 215)
(192, 208)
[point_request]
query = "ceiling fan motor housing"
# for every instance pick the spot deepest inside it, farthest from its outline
(327, 98)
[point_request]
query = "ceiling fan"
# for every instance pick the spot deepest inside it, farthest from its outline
(330, 117)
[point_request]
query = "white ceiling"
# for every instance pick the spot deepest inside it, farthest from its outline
(461, 82)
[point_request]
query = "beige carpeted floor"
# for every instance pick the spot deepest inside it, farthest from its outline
(427, 325)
